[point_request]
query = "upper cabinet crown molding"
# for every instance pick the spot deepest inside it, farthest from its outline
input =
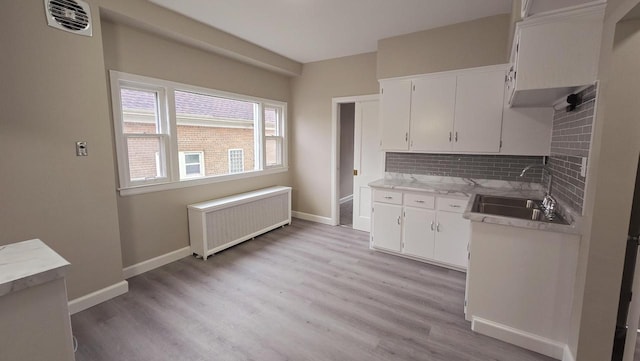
(544, 8)
(555, 54)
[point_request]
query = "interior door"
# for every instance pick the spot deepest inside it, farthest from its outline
(368, 161)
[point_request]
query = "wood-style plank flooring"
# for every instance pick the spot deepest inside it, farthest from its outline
(303, 292)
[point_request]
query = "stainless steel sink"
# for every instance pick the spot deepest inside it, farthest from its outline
(507, 201)
(521, 208)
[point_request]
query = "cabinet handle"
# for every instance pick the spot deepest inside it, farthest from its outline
(406, 137)
(398, 220)
(438, 227)
(456, 136)
(454, 205)
(449, 136)
(388, 197)
(419, 201)
(432, 224)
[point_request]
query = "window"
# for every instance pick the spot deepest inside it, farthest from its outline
(191, 164)
(169, 133)
(274, 136)
(144, 132)
(217, 124)
(236, 160)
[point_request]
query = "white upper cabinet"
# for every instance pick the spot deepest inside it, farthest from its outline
(554, 54)
(456, 111)
(478, 111)
(540, 7)
(432, 113)
(395, 108)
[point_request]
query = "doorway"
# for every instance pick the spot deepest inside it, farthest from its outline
(366, 162)
(347, 124)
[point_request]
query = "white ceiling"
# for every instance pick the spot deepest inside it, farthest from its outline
(312, 30)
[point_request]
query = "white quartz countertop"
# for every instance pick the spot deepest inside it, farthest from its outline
(467, 187)
(27, 264)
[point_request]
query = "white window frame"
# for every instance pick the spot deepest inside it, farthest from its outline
(162, 173)
(280, 137)
(182, 160)
(169, 157)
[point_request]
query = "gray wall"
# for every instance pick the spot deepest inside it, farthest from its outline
(53, 94)
(156, 223)
(610, 179)
(311, 95)
(464, 45)
(347, 125)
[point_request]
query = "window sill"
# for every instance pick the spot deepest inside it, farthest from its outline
(149, 188)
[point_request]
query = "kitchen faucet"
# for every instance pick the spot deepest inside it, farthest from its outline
(549, 203)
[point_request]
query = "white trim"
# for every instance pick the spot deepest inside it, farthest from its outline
(570, 11)
(82, 303)
(346, 199)
(518, 337)
(199, 181)
(312, 218)
(567, 355)
(450, 72)
(153, 263)
(335, 150)
(167, 112)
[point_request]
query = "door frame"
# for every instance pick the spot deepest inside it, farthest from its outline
(335, 149)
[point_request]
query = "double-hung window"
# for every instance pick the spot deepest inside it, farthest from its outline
(145, 133)
(273, 136)
(170, 135)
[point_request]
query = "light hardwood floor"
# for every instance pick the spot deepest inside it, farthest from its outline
(302, 292)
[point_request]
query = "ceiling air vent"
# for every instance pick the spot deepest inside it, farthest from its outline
(73, 16)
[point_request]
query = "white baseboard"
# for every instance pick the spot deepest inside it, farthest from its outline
(148, 265)
(346, 199)
(312, 218)
(568, 355)
(520, 338)
(82, 303)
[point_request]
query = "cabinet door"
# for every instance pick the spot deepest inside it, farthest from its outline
(419, 231)
(395, 105)
(452, 238)
(478, 114)
(386, 228)
(432, 110)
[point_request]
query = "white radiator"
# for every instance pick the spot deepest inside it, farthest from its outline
(221, 223)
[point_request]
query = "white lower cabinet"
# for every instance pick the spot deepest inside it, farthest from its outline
(452, 239)
(423, 226)
(419, 226)
(387, 226)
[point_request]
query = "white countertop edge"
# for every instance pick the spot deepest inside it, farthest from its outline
(470, 187)
(29, 263)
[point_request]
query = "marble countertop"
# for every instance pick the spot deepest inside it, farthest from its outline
(467, 187)
(27, 264)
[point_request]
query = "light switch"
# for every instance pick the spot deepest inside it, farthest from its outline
(81, 149)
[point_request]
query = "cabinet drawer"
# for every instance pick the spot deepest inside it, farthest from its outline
(457, 205)
(419, 200)
(387, 197)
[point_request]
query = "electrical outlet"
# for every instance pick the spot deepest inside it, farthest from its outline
(81, 149)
